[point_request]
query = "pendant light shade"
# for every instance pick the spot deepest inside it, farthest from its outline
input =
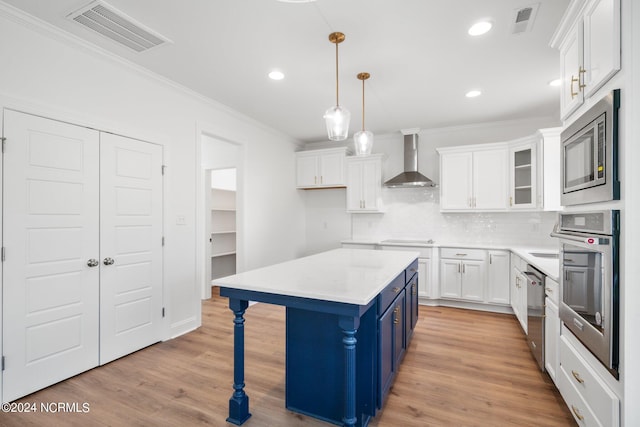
(363, 139)
(337, 118)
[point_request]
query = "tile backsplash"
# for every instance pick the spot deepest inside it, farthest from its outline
(414, 213)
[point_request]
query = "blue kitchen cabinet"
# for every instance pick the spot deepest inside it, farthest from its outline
(411, 307)
(341, 356)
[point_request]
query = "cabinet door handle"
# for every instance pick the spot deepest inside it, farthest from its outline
(413, 288)
(510, 201)
(108, 261)
(93, 262)
(577, 413)
(573, 80)
(577, 376)
(461, 254)
(396, 290)
(463, 269)
(396, 312)
(320, 179)
(490, 258)
(581, 84)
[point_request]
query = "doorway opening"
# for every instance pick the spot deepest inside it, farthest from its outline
(220, 225)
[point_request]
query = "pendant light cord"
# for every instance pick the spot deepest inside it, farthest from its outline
(337, 96)
(363, 105)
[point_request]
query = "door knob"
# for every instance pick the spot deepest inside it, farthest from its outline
(93, 262)
(108, 261)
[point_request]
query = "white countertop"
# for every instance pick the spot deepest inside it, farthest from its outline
(549, 266)
(352, 276)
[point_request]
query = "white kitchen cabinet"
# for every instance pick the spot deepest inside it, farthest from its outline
(551, 329)
(523, 174)
(519, 290)
(588, 39)
(473, 177)
(426, 286)
(321, 168)
(591, 400)
(549, 184)
(364, 184)
(450, 281)
(456, 180)
(601, 43)
(424, 283)
(462, 274)
(498, 277)
(489, 185)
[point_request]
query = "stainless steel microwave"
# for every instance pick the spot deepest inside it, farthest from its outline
(589, 158)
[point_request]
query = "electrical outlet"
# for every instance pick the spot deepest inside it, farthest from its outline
(181, 220)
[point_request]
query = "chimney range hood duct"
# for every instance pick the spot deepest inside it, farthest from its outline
(410, 178)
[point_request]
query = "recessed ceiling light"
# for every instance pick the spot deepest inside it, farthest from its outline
(276, 75)
(555, 82)
(473, 93)
(480, 28)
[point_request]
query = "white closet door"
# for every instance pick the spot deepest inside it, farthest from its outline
(50, 211)
(131, 236)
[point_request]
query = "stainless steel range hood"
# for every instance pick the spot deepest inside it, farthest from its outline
(410, 178)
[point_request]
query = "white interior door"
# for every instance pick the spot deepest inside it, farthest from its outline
(50, 211)
(130, 245)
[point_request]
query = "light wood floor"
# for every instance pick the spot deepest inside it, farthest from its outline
(463, 368)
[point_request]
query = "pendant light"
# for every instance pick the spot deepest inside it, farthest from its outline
(337, 117)
(363, 140)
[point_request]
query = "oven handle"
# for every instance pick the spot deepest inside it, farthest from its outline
(567, 235)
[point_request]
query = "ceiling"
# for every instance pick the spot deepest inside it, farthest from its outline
(418, 52)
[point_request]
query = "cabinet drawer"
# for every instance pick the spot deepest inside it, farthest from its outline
(390, 293)
(604, 404)
(463, 253)
(410, 271)
(577, 259)
(424, 252)
(578, 407)
(552, 289)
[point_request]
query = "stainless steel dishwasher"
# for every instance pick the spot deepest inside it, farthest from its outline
(535, 313)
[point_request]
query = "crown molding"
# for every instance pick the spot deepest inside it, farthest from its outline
(51, 31)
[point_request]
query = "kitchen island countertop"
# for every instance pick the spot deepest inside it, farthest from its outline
(351, 276)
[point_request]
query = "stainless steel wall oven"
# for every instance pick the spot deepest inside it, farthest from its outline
(590, 155)
(589, 281)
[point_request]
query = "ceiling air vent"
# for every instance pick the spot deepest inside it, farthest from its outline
(522, 20)
(108, 21)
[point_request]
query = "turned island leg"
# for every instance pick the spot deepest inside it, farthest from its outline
(239, 401)
(349, 326)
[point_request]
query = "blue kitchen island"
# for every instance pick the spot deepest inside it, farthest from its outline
(350, 314)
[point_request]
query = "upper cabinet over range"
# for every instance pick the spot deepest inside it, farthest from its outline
(589, 42)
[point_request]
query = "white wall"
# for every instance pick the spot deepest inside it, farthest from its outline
(415, 213)
(49, 73)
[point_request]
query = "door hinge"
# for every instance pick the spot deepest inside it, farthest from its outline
(4, 143)
(162, 240)
(162, 168)
(2, 254)
(162, 311)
